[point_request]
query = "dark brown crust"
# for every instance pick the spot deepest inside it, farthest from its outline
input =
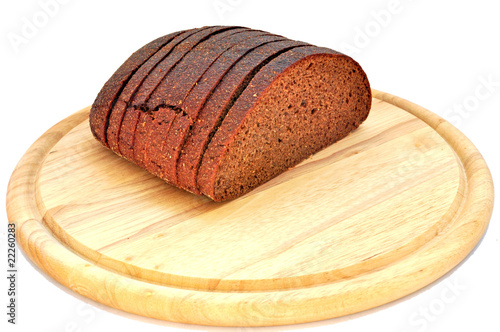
(156, 77)
(126, 140)
(211, 78)
(117, 113)
(218, 104)
(222, 139)
(106, 98)
(180, 81)
(176, 85)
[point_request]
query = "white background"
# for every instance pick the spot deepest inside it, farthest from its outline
(436, 54)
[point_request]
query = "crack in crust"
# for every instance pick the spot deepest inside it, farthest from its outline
(151, 111)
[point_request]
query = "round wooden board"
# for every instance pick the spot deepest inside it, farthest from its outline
(374, 217)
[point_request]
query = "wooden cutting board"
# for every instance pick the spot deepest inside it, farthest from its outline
(376, 216)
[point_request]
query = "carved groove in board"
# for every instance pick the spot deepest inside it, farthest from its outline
(110, 255)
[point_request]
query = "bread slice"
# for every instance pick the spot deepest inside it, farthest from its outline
(106, 98)
(299, 103)
(126, 135)
(159, 149)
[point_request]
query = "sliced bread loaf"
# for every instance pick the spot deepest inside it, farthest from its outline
(222, 110)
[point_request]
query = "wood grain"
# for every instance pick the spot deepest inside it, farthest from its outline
(376, 216)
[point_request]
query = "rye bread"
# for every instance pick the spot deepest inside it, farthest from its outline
(118, 111)
(299, 103)
(107, 96)
(216, 107)
(253, 111)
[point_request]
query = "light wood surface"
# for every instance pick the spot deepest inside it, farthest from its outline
(376, 216)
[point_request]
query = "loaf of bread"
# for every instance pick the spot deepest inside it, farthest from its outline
(221, 110)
